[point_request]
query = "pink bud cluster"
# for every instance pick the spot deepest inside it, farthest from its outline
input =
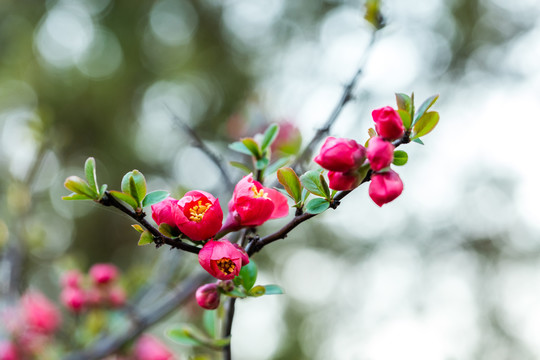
(344, 159)
(148, 347)
(99, 290)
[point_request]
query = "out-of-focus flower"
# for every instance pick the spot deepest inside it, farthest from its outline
(73, 298)
(8, 351)
(117, 296)
(148, 347)
(72, 278)
(380, 153)
(165, 212)
(388, 123)
(200, 215)
(253, 204)
(39, 314)
(338, 154)
(207, 296)
(221, 259)
(385, 187)
(103, 273)
(288, 140)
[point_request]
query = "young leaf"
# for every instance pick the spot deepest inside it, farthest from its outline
(146, 238)
(167, 230)
(371, 132)
(138, 228)
(405, 118)
(154, 197)
(248, 273)
(269, 136)
(102, 190)
(257, 291)
(239, 147)
(90, 172)
(418, 141)
(74, 196)
(273, 290)
(209, 322)
(185, 335)
(128, 199)
(324, 186)
(317, 206)
(253, 147)
(425, 107)
(240, 166)
(261, 163)
(404, 102)
(79, 186)
(134, 183)
(400, 158)
(277, 164)
(312, 182)
(290, 181)
(425, 124)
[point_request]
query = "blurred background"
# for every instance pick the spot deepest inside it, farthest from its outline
(449, 270)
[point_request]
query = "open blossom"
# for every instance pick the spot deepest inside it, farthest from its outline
(253, 204)
(103, 273)
(222, 259)
(200, 215)
(165, 212)
(385, 187)
(380, 153)
(207, 296)
(338, 154)
(38, 313)
(388, 123)
(148, 347)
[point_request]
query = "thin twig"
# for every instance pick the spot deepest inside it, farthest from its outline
(199, 143)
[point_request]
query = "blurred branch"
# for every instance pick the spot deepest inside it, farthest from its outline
(159, 238)
(346, 96)
(199, 143)
(109, 344)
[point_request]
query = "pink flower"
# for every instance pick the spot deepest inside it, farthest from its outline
(150, 348)
(253, 204)
(385, 187)
(388, 123)
(288, 140)
(380, 153)
(103, 273)
(221, 259)
(165, 212)
(8, 351)
(73, 298)
(117, 297)
(342, 180)
(340, 154)
(39, 314)
(207, 296)
(200, 215)
(72, 278)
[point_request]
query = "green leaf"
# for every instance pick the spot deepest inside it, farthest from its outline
(240, 166)
(167, 230)
(426, 124)
(185, 335)
(90, 171)
(237, 293)
(239, 147)
(424, 107)
(146, 238)
(317, 206)
(138, 228)
(405, 118)
(257, 291)
(128, 199)
(371, 132)
(418, 141)
(404, 102)
(273, 290)
(312, 182)
(102, 190)
(154, 197)
(277, 165)
(74, 196)
(209, 322)
(400, 158)
(134, 183)
(269, 136)
(290, 181)
(261, 163)
(248, 273)
(253, 147)
(324, 185)
(79, 186)
(361, 173)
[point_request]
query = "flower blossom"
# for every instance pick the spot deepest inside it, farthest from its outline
(222, 259)
(200, 215)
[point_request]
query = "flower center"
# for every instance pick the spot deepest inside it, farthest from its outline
(196, 213)
(226, 265)
(259, 194)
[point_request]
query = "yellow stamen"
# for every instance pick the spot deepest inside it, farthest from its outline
(259, 194)
(226, 265)
(197, 212)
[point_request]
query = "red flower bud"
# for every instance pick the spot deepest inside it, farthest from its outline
(103, 273)
(208, 296)
(165, 212)
(253, 204)
(388, 123)
(73, 299)
(72, 278)
(150, 348)
(340, 154)
(39, 314)
(200, 215)
(221, 259)
(380, 153)
(385, 187)
(342, 180)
